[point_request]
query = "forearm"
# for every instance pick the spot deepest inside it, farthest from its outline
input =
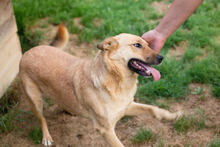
(179, 11)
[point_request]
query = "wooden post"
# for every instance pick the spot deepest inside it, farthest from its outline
(10, 49)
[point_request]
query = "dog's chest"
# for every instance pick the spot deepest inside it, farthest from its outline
(117, 107)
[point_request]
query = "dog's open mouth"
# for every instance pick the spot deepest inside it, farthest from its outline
(143, 69)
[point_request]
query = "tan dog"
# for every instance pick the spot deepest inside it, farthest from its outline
(101, 89)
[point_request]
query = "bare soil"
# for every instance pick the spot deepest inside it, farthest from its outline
(75, 131)
(161, 6)
(177, 51)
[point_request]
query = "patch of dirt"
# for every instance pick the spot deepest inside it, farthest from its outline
(81, 49)
(161, 6)
(178, 51)
(203, 56)
(218, 39)
(97, 22)
(76, 21)
(75, 131)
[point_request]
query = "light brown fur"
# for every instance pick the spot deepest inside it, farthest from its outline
(101, 89)
(61, 38)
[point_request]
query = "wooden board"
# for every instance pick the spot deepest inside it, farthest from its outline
(7, 29)
(6, 10)
(10, 49)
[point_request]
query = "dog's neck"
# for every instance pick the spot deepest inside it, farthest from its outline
(111, 75)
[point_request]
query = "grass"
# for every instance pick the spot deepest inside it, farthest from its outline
(48, 101)
(7, 122)
(195, 121)
(36, 135)
(125, 119)
(10, 116)
(215, 142)
(7, 112)
(191, 53)
(160, 143)
(163, 105)
(8, 100)
(144, 135)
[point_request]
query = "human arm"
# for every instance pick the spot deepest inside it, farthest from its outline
(179, 11)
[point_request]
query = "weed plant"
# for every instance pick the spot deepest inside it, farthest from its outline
(144, 135)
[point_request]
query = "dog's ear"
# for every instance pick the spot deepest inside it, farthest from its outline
(108, 44)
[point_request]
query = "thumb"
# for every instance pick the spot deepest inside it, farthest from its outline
(148, 36)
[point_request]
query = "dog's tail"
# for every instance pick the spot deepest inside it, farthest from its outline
(62, 37)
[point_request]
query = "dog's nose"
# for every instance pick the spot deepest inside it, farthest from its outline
(159, 58)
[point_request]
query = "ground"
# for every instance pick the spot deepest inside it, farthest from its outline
(201, 125)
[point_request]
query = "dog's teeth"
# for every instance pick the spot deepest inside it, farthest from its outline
(147, 72)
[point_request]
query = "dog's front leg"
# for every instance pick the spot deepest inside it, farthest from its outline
(107, 130)
(110, 137)
(138, 109)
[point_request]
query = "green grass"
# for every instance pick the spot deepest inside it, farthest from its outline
(10, 116)
(215, 142)
(216, 91)
(8, 100)
(160, 143)
(163, 105)
(48, 101)
(195, 121)
(7, 122)
(36, 135)
(144, 135)
(199, 64)
(7, 113)
(125, 119)
(191, 53)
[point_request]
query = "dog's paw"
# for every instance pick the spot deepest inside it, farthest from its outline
(178, 114)
(47, 141)
(166, 115)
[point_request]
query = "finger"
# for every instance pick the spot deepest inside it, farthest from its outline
(156, 46)
(147, 37)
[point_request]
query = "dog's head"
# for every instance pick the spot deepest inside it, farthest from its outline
(133, 52)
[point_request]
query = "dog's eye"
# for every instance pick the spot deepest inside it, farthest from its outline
(138, 45)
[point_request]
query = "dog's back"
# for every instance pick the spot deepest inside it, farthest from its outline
(48, 68)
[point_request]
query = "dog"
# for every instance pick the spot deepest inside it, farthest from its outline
(101, 89)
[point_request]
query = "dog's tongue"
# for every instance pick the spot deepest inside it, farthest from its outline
(155, 73)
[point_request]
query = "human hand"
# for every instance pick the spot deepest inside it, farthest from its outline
(155, 39)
